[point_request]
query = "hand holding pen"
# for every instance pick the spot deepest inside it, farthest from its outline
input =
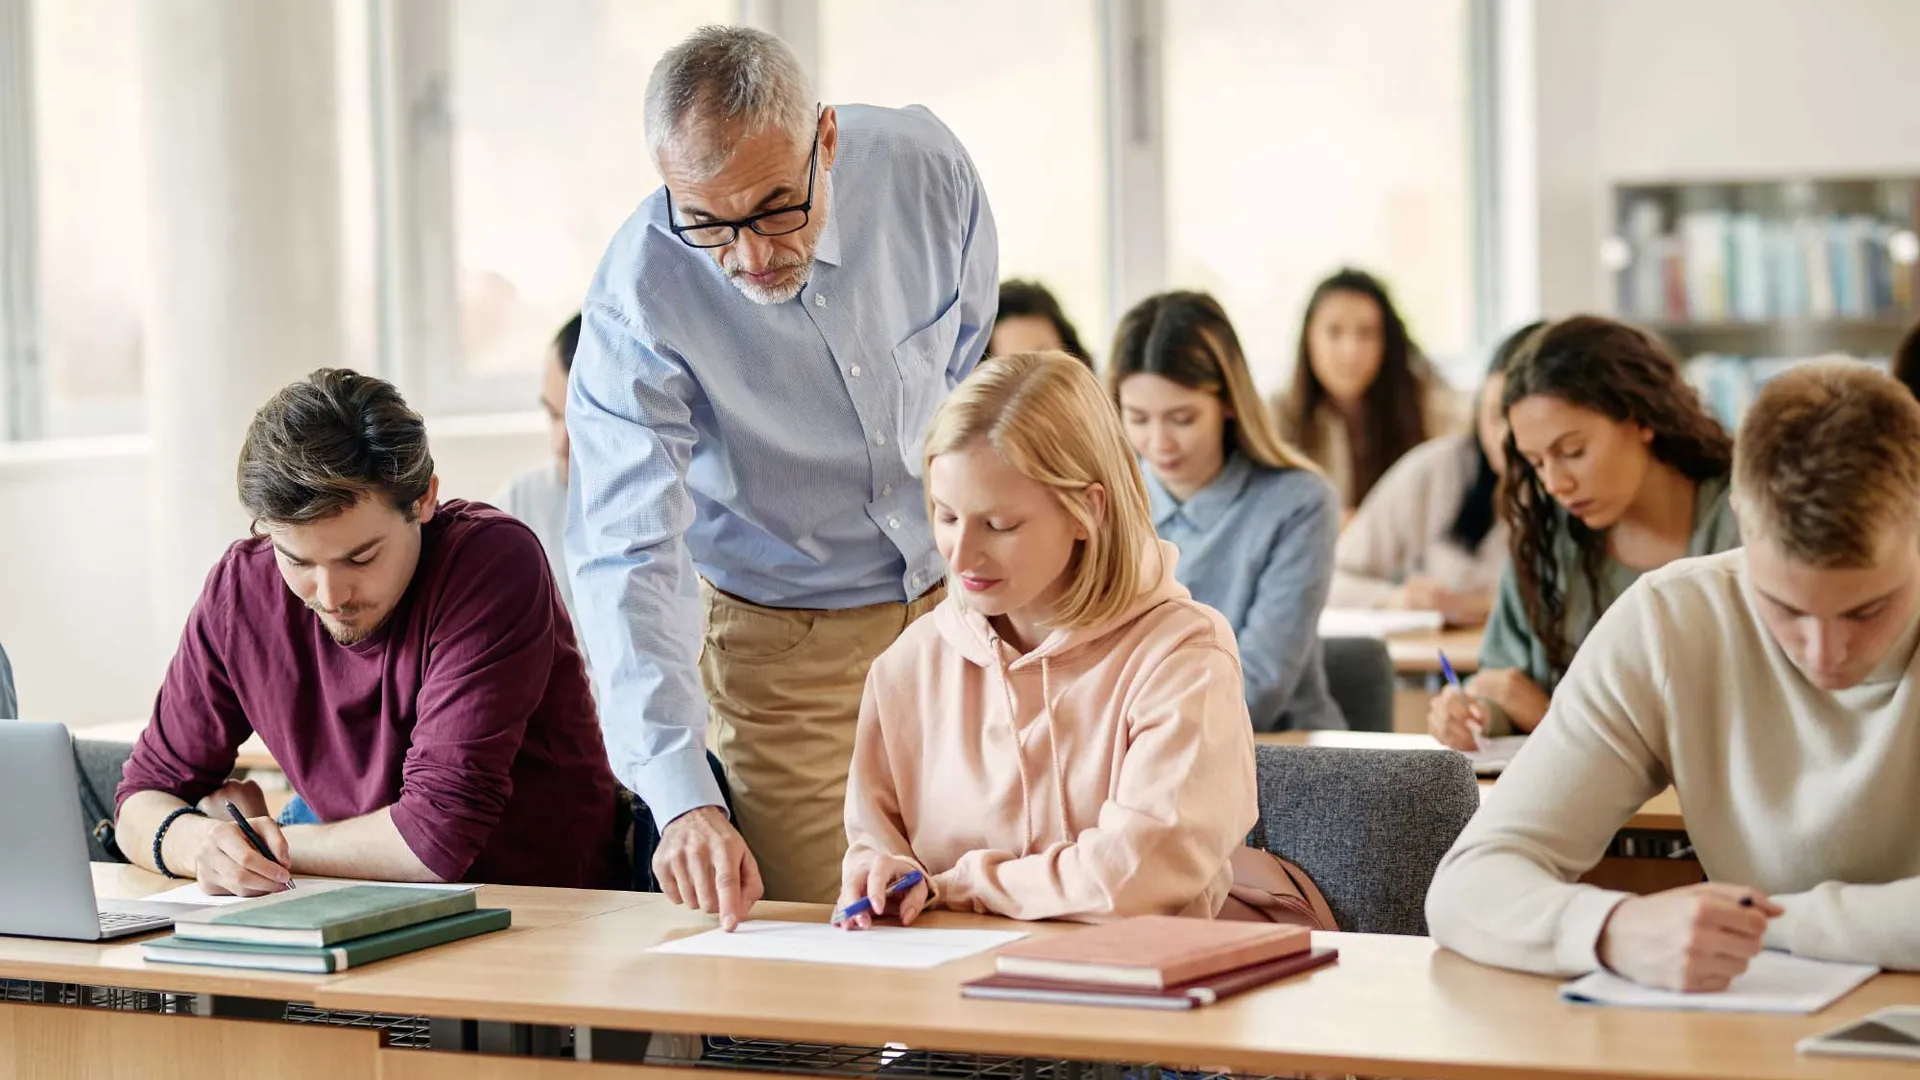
(883, 880)
(1455, 718)
(253, 840)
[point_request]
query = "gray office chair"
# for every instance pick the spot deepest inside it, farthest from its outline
(1369, 826)
(1360, 679)
(9, 702)
(100, 765)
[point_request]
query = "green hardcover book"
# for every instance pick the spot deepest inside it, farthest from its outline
(327, 959)
(318, 917)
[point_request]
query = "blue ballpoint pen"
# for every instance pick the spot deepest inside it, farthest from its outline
(1479, 740)
(862, 906)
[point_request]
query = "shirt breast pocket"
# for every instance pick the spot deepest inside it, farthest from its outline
(922, 361)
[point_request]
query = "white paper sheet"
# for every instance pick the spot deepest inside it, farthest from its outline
(1367, 622)
(190, 892)
(1500, 750)
(1775, 982)
(818, 943)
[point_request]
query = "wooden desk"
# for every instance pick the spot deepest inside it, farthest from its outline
(253, 753)
(1660, 813)
(1419, 654)
(1392, 1006)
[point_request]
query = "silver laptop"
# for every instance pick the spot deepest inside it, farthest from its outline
(46, 886)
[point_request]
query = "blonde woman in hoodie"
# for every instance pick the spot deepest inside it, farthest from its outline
(1066, 737)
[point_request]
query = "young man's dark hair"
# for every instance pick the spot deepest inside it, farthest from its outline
(326, 442)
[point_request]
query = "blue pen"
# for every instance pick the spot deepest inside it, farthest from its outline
(862, 906)
(1453, 680)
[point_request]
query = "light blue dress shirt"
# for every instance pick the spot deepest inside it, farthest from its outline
(772, 449)
(1256, 545)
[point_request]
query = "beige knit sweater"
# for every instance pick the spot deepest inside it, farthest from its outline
(1812, 796)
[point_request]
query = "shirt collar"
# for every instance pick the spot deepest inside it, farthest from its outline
(1208, 505)
(828, 249)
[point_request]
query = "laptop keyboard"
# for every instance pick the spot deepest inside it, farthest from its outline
(121, 921)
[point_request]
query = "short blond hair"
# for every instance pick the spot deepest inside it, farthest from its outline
(1045, 415)
(1827, 458)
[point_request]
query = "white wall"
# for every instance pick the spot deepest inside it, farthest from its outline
(1708, 89)
(76, 556)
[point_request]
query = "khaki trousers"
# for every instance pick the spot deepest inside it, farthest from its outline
(783, 692)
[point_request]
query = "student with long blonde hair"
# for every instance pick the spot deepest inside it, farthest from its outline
(1255, 522)
(1064, 737)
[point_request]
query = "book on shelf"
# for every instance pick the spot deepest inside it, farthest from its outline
(1720, 266)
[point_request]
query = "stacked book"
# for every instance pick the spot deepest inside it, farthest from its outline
(325, 929)
(1150, 962)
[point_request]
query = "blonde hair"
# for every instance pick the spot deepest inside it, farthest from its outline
(1827, 458)
(1185, 337)
(1045, 415)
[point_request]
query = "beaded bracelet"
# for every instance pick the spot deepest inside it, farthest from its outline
(160, 834)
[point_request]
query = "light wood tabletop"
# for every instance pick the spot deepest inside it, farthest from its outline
(1392, 1005)
(119, 963)
(1419, 654)
(1660, 813)
(254, 755)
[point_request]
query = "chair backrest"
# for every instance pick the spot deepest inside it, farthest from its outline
(9, 704)
(100, 765)
(1360, 679)
(1369, 826)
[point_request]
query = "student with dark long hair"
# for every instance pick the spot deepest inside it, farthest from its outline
(1030, 320)
(1255, 522)
(1429, 537)
(1363, 394)
(1613, 469)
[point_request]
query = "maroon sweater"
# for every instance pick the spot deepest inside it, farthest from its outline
(467, 712)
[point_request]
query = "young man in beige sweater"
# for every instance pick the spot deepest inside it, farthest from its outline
(1774, 687)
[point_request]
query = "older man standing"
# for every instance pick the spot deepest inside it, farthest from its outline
(763, 345)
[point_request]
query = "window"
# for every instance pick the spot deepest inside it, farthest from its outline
(549, 158)
(91, 217)
(1302, 136)
(1019, 83)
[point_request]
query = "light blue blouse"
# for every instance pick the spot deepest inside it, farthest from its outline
(1256, 545)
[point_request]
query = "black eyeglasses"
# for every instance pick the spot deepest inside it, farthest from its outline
(779, 221)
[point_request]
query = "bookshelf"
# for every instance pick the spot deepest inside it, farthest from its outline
(1774, 269)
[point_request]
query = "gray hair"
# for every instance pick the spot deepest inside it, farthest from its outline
(719, 85)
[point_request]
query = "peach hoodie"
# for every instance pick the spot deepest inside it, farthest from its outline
(1107, 773)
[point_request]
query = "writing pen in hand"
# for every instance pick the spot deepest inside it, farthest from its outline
(1479, 740)
(253, 838)
(864, 906)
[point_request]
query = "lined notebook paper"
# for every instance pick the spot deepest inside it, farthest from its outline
(1775, 982)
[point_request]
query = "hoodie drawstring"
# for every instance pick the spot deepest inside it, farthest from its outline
(1019, 750)
(1053, 748)
(1020, 747)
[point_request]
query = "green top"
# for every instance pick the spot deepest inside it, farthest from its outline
(1510, 641)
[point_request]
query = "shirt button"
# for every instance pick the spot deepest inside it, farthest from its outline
(886, 490)
(819, 299)
(879, 440)
(854, 371)
(916, 580)
(894, 523)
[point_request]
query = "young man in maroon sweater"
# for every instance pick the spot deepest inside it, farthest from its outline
(408, 662)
